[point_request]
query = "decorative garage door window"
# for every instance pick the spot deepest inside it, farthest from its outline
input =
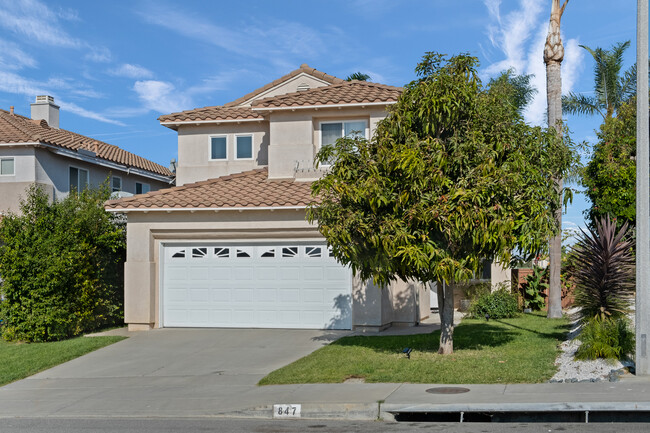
(278, 285)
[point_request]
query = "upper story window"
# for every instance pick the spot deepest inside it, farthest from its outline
(78, 179)
(7, 167)
(332, 131)
(244, 147)
(219, 147)
(116, 183)
(142, 188)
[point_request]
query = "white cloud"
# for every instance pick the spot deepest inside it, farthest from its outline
(13, 83)
(131, 71)
(520, 36)
(161, 96)
(99, 55)
(13, 58)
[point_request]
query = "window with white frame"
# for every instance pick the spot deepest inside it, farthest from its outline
(219, 147)
(78, 179)
(243, 147)
(7, 167)
(142, 188)
(116, 183)
(332, 131)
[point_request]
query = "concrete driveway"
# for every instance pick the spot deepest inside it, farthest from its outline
(164, 372)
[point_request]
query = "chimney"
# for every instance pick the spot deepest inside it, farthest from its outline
(11, 110)
(45, 108)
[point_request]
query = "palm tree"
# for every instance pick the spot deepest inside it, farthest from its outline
(611, 89)
(553, 56)
(359, 76)
(518, 88)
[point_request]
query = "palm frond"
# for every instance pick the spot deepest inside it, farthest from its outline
(575, 103)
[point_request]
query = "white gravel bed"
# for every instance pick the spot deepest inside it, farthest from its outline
(572, 370)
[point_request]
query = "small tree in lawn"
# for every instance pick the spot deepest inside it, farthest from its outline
(453, 175)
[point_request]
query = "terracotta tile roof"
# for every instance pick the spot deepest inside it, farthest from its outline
(348, 92)
(249, 189)
(304, 68)
(15, 128)
(217, 112)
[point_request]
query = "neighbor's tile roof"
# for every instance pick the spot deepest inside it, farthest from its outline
(218, 112)
(249, 189)
(348, 92)
(304, 68)
(15, 128)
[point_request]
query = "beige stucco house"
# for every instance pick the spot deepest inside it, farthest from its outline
(229, 246)
(36, 151)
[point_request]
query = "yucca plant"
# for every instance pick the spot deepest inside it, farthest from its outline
(603, 272)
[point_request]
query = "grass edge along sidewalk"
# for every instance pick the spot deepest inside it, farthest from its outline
(518, 350)
(21, 360)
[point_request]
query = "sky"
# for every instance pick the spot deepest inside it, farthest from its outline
(115, 66)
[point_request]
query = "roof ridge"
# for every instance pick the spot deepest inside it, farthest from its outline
(303, 68)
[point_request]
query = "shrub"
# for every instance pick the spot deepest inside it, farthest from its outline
(500, 304)
(62, 267)
(532, 289)
(603, 272)
(605, 338)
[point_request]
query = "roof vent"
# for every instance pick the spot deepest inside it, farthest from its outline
(302, 87)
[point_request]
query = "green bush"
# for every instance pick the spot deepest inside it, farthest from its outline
(605, 338)
(500, 304)
(533, 289)
(62, 266)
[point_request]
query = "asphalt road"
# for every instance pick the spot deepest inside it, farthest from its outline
(133, 425)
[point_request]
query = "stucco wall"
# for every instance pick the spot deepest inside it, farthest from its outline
(194, 162)
(372, 307)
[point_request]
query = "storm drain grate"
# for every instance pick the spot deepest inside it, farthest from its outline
(447, 390)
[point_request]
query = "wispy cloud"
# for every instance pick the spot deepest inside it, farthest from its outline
(12, 57)
(128, 70)
(15, 84)
(520, 36)
(161, 96)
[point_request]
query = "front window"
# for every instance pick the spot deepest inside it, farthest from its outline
(332, 131)
(7, 167)
(78, 179)
(116, 184)
(244, 147)
(218, 147)
(141, 188)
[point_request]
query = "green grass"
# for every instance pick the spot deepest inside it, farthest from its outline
(519, 350)
(19, 360)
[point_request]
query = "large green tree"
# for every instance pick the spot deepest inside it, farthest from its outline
(452, 176)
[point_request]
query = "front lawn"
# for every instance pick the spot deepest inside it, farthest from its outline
(519, 350)
(19, 360)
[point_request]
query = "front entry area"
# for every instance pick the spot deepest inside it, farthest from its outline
(254, 285)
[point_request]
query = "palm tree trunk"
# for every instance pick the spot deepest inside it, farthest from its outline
(446, 311)
(553, 56)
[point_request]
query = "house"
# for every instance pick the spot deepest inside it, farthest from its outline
(36, 151)
(229, 246)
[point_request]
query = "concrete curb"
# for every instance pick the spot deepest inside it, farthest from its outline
(341, 411)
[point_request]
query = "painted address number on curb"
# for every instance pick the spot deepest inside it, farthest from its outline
(286, 410)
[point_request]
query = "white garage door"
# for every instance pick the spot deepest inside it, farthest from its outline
(257, 286)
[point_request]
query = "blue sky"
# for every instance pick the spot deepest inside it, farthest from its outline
(114, 67)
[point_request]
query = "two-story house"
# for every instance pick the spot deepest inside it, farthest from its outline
(229, 246)
(36, 151)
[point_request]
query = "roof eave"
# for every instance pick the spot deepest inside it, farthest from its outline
(203, 209)
(316, 107)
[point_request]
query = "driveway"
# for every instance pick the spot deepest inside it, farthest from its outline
(163, 372)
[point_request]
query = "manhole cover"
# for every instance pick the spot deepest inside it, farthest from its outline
(447, 390)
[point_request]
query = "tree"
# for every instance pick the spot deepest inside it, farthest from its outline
(610, 175)
(359, 76)
(611, 89)
(518, 89)
(61, 266)
(452, 175)
(553, 56)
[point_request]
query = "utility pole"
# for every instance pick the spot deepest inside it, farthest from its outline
(642, 191)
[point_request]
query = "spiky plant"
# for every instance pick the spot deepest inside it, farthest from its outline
(603, 272)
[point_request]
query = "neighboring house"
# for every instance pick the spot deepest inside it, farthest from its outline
(37, 151)
(230, 246)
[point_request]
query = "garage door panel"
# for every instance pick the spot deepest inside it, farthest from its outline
(267, 286)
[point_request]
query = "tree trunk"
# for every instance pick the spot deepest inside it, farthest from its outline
(553, 56)
(446, 311)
